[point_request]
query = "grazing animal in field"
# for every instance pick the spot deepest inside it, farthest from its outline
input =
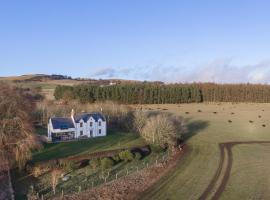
(164, 109)
(250, 121)
(230, 121)
(199, 111)
(215, 112)
(263, 125)
(259, 116)
(187, 112)
(232, 113)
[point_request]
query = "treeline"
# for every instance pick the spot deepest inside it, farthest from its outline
(148, 93)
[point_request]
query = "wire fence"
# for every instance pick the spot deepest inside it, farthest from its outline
(88, 179)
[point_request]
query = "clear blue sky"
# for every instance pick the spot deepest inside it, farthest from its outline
(202, 40)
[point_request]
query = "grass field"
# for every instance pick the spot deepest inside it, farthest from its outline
(199, 165)
(113, 140)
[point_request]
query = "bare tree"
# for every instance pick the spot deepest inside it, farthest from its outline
(139, 120)
(163, 130)
(16, 131)
(55, 175)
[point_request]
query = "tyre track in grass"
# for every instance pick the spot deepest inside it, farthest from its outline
(217, 174)
(224, 147)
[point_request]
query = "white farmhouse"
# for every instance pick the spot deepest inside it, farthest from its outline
(84, 125)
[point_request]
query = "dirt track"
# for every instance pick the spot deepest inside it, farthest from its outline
(224, 147)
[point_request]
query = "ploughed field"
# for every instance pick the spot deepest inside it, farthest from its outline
(228, 153)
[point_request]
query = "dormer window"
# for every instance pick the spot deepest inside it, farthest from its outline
(99, 123)
(91, 124)
(81, 124)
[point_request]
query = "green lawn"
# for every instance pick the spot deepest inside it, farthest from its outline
(249, 175)
(114, 140)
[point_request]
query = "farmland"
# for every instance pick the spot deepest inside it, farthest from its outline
(208, 125)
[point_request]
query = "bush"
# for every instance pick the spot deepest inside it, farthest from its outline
(138, 156)
(163, 130)
(37, 171)
(116, 158)
(156, 149)
(95, 163)
(106, 163)
(67, 165)
(126, 156)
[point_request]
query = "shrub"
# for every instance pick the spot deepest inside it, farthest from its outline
(163, 130)
(126, 155)
(138, 156)
(36, 171)
(67, 165)
(106, 163)
(156, 149)
(139, 120)
(116, 158)
(95, 163)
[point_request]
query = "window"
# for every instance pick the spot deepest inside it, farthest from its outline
(99, 123)
(99, 131)
(91, 124)
(81, 132)
(81, 124)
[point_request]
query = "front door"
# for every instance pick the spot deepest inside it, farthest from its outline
(91, 133)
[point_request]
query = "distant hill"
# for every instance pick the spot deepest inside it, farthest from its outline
(65, 79)
(47, 83)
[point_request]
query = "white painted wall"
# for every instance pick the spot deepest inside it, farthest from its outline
(85, 128)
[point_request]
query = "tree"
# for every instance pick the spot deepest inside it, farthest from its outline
(139, 120)
(163, 130)
(55, 175)
(16, 130)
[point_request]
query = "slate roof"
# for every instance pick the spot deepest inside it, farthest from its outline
(85, 117)
(62, 123)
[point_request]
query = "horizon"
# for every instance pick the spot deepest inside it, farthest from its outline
(187, 41)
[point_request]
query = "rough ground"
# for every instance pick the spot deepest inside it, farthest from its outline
(129, 187)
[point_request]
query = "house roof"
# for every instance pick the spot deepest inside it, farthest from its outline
(62, 123)
(85, 117)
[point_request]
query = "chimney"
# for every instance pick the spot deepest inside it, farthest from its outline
(72, 114)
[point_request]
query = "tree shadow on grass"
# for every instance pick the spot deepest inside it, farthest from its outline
(193, 128)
